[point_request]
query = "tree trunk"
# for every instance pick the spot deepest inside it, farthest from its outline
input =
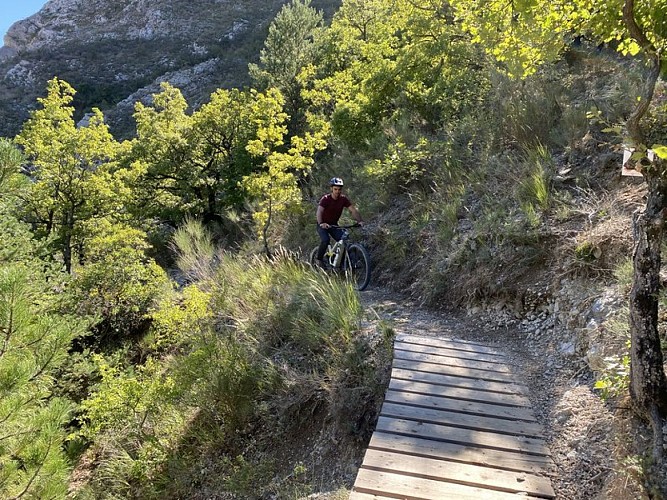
(267, 224)
(648, 385)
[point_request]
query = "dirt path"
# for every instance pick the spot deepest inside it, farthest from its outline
(583, 433)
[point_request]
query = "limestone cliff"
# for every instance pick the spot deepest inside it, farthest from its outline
(114, 52)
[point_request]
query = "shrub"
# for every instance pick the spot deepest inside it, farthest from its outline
(118, 283)
(269, 342)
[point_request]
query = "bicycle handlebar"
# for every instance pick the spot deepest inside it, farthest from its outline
(356, 224)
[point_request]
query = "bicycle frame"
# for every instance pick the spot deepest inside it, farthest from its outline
(346, 258)
(335, 253)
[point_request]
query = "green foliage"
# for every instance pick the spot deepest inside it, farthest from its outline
(127, 399)
(526, 35)
(18, 244)
(264, 345)
(623, 273)
(279, 302)
(287, 50)
(73, 180)
(11, 160)
(118, 283)
(402, 166)
(179, 320)
(275, 188)
(227, 155)
(535, 187)
(237, 379)
(388, 61)
(587, 252)
(133, 416)
(35, 344)
(615, 378)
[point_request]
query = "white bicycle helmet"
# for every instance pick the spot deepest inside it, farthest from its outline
(336, 181)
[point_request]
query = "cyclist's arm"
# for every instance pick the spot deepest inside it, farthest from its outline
(355, 214)
(320, 212)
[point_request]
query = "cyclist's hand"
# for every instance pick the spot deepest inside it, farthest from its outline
(324, 225)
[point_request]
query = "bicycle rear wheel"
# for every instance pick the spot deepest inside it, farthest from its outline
(357, 266)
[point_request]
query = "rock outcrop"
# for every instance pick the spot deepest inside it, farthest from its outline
(116, 51)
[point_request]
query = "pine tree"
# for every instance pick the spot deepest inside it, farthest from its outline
(33, 343)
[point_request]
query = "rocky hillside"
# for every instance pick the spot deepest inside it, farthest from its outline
(115, 52)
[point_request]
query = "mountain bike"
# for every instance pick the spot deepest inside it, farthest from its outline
(349, 259)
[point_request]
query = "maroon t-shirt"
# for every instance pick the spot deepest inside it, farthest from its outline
(333, 208)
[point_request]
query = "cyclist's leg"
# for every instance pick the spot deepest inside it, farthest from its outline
(336, 233)
(324, 242)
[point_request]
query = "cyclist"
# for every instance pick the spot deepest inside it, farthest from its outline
(329, 211)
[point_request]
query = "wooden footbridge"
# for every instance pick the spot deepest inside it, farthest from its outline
(455, 423)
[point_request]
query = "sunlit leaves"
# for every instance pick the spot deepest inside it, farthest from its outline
(660, 150)
(195, 163)
(509, 32)
(118, 283)
(72, 169)
(383, 60)
(522, 35)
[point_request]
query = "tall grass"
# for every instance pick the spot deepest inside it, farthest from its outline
(268, 344)
(194, 249)
(535, 184)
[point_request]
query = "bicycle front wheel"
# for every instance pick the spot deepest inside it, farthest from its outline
(358, 266)
(313, 256)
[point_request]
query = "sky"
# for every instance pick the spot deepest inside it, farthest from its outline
(15, 10)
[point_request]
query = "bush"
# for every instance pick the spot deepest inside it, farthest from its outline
(267, 344)
(118, 284)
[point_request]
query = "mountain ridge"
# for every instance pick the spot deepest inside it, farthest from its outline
(115, 53)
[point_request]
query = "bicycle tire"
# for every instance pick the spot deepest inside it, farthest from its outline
(313, 256)
(358, 266)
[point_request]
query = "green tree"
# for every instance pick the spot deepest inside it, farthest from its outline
(15, 244)
(11, 160)
(381, 63)
(195, 164)
(524, 34)
(275, 187)
(73, 170)
(34, 343)
(288, 48)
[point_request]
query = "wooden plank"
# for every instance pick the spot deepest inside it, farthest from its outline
(464, 345)
(355, 495)
(470, 475)
(506, 460)
(454, 353)
(474, 437)
(460, 405)
(456, 381)
(409, 488)
(463, 420)
(496, 398)
(449, 361)
(459, 371)
(455, 424)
